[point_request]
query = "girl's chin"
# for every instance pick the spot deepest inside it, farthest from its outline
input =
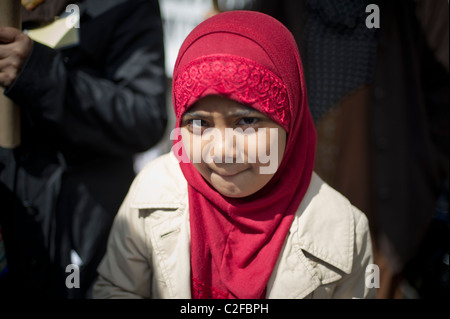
(235, 186)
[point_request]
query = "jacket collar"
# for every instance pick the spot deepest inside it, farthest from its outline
(161, 184)
(325, 225)
(321, 233)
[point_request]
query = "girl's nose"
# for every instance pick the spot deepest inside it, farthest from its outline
(224, 148)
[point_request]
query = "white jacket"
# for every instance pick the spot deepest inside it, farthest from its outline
(148, 256)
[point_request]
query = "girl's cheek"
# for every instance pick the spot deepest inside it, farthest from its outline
(269, 156)
(262, 148)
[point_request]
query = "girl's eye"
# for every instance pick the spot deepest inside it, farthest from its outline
(248, 121)
(195, 124)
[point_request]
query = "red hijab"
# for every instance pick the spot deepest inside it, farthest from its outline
(252, 58)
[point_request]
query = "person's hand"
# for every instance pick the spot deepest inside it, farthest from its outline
(15, 47)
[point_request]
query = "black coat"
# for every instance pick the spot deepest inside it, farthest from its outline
(85, 111)
(384, 142)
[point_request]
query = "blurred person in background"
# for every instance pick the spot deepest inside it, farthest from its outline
(89, 99)
(179, 17)
(379, 98)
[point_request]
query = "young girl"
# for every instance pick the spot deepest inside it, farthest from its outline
(223, 224)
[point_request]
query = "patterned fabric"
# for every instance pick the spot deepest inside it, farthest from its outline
(229, 75)
(341, 51)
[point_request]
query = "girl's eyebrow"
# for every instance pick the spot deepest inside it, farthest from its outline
(237, 113)
(197, 114)
(243, 112)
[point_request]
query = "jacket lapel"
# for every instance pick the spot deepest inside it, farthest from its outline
(167, 226)
(171, 250)
(322, 229)
(293, 276)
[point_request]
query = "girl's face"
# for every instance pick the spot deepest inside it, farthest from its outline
(235, 148)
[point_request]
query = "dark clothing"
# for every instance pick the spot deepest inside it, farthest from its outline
(410, 123)
(85, 111)
(384, 142)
